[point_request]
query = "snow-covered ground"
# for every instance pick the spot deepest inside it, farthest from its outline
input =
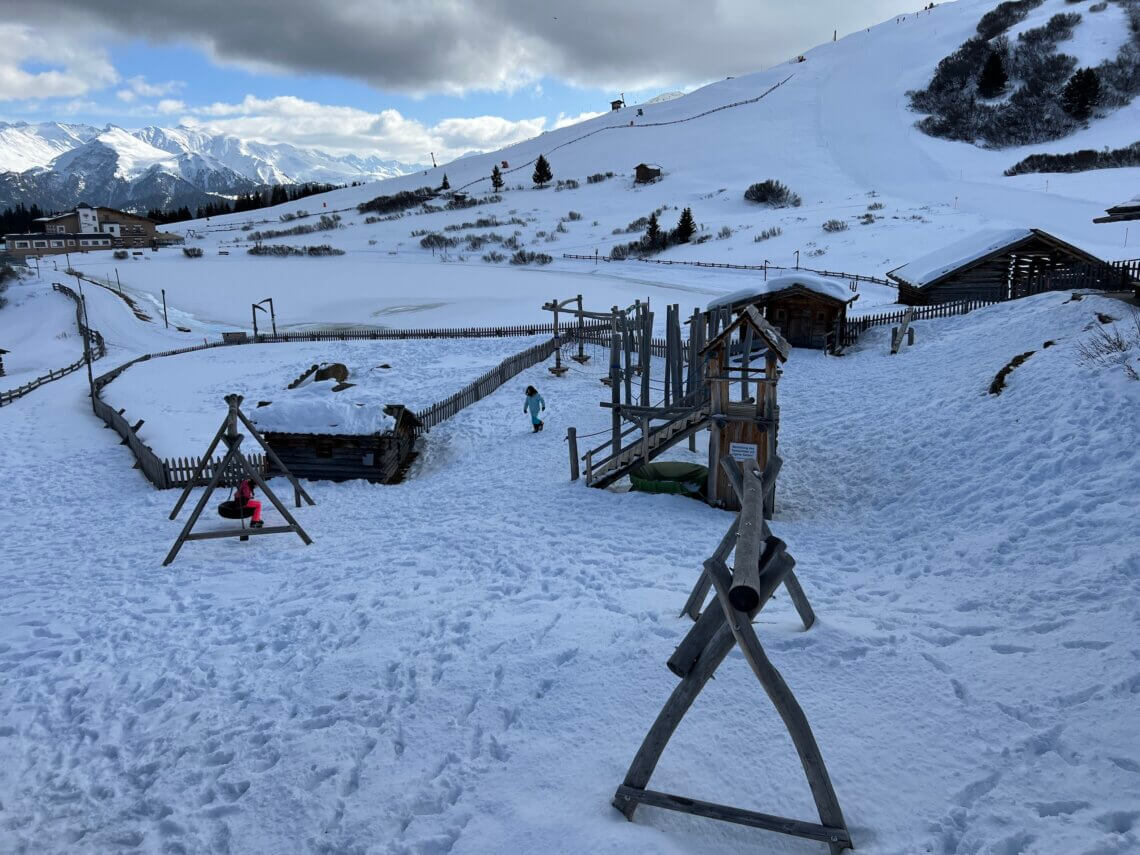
(181, 397)
(467, 661)
(38, 330)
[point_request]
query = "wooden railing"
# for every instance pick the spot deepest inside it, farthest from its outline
(487, 383)
(97, 346)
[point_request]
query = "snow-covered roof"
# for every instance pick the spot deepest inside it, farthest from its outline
(922, 271)
(1134, 202)
(315, 408)
(810, 281)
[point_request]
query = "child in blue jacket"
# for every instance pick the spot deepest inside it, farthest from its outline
(533, 404)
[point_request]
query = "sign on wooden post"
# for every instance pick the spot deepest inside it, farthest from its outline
(742, 451)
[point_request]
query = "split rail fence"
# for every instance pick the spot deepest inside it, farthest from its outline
(97, 346)
(853, 278)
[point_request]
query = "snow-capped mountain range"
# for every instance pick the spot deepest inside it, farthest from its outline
(56, 165)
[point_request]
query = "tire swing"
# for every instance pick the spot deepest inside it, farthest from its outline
(234, 464)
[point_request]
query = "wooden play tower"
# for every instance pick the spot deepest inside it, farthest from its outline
(721, 378)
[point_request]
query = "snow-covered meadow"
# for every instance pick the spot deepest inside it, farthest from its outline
(466, 662)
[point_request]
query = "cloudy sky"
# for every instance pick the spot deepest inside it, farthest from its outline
(394, 78)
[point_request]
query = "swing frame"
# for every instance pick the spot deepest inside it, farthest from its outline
(236, 462)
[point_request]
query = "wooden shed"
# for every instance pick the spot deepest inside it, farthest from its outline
(807, 310)
(644, 173)
(380, 458)
(992, 265)
(1123, 212)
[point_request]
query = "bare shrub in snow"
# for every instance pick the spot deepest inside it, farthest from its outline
(573, 216)
(494, 257)
(772, 193)
(1109, 346)
(522, 257)
(188, 251)
(835, 226)
(875, 206)
(767, 234)
(725, 232)
(281, 249)
(434, 240)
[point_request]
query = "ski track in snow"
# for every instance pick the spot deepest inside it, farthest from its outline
(467, 662)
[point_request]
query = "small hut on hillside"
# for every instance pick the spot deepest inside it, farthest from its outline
(806, 309)
(994, 265)
(644, 173)
(1129, 210)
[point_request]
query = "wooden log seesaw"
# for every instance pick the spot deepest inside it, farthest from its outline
(761, 565)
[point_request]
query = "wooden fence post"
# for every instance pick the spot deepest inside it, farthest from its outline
(572, 439)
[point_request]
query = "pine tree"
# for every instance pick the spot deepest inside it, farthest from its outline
(542, 172)
(1081, 94)
(685, 227)
(445, 184)
(992, 80)
(496, 179)
(653, 233)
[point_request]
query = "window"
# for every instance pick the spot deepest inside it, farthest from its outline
(85, 243)
(40, 244)
(104, 243)
(21, 244)
(71, 243)
(57, 243)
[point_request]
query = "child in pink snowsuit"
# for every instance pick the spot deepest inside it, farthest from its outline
(245, 498)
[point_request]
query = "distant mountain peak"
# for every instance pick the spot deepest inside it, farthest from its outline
(51, 163)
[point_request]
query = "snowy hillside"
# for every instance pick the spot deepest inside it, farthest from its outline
(836, 130)
(55, 166)
(466, 662)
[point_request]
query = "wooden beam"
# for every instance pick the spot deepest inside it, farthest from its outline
(768, 822)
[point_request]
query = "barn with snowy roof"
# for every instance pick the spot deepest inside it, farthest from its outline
(995, 264)
(807, 309)
(1123, 212)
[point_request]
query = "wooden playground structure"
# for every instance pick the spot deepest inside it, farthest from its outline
(721, 378)
(761, 565)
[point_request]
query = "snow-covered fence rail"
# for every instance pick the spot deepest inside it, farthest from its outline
(96, 343)
(853, 278)
(147, 460)
(488, 383)
(855, 327)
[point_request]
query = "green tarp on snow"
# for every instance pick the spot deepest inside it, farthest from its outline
(685, 479)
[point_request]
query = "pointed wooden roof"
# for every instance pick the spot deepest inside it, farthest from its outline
(751, 316)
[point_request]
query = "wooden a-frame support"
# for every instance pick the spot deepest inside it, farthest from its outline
(762, 564)
(228, 435)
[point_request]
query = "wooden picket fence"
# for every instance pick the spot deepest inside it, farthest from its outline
(847, 334)
(97, 345)
(178, 471)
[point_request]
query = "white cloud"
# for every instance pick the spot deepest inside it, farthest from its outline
(141, 86)
(445, 46)
(168, 106)
(63, 66)
(387, 134)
